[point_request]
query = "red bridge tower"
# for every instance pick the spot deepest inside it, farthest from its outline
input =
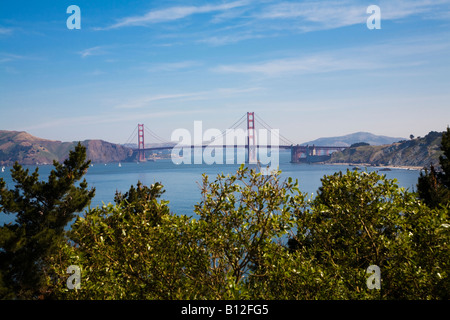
(141, 145)
(251, 139)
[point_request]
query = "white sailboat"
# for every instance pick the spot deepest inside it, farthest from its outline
(3, 169)
(120, 165)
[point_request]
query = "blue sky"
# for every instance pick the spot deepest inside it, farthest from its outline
(309, 68)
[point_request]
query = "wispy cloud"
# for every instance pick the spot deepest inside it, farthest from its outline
(96, 72)
(7, 57)
(173, 13)
(257, 20)
(405, 53)
(237, 12)
(174, 66)
(318, 15)
(147, 101)
(317, 63)
(399, 9)
(272, 19)
(275, 18)
(106, 118)
(230, 38)
(94, 51)
(5, 31)
(326, 13)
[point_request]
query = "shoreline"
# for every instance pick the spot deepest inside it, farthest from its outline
(375, 166)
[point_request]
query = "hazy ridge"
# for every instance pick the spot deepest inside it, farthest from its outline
(26, 149)
(349, 139)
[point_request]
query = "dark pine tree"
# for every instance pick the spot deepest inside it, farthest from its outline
(42, 209)
(444, 160)
(433, 185)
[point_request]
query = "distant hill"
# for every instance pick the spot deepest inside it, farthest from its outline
(29, 150)
(417, 152)
(349, 139)
(102, 151)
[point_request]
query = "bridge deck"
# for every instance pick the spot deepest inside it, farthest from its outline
(204, 146)
(240, 146)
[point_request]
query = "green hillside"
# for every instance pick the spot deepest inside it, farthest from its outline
(27, 149)
(418, 152)
(30, 150)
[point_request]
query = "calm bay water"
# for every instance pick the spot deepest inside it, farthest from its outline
(181, 182)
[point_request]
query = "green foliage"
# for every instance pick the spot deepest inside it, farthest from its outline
(136, 200)
(135, 249)
(252, 236)
(235, 248)
(43, 209)
(128, 254)
(433, 186)
(431, 189)
(363, 219)
(359, 144)
(243, 219)
(444, 160)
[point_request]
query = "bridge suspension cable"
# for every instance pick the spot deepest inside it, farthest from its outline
(238, 122)
(268, 127)
(157, 137)
(132, 136)
(233, 126)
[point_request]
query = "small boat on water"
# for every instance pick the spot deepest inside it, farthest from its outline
(3, 169)
(120, 165)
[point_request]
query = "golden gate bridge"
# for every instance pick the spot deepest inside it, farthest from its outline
(299, 153)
